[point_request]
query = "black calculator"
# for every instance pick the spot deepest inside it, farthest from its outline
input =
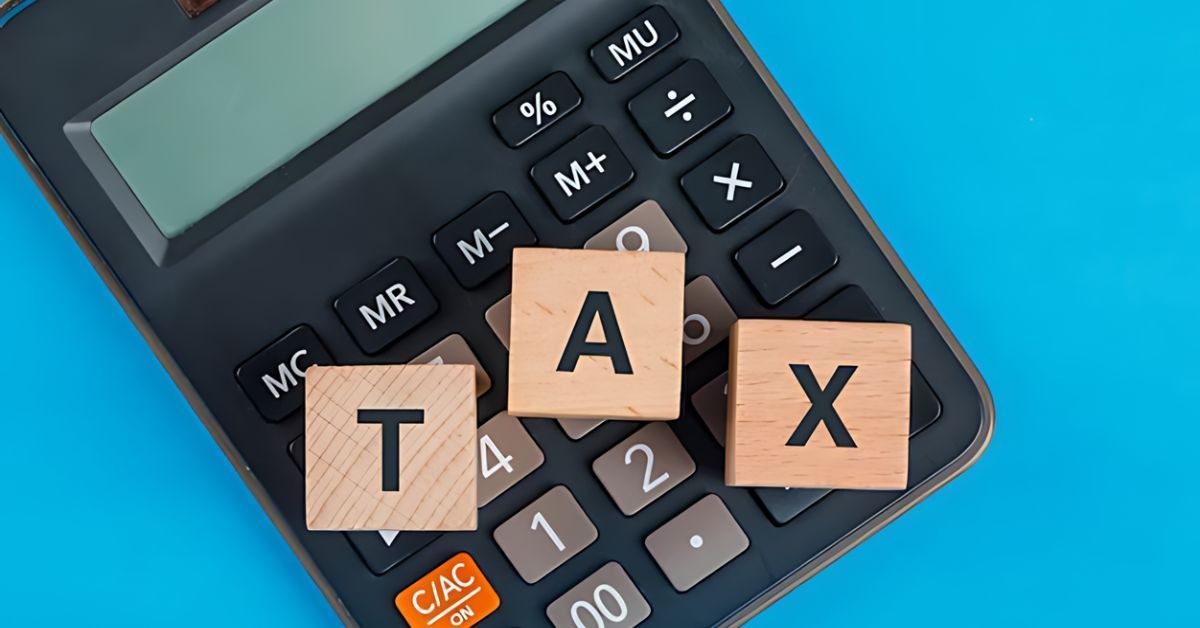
(253, 179)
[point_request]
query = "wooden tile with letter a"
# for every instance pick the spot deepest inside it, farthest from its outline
(596, 334)
(390, 447)
(818, 405)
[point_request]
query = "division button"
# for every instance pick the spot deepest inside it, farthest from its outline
(679, 107)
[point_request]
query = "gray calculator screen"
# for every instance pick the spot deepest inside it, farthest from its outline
(269, 87)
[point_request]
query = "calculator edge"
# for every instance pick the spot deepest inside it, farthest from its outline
(987, 406)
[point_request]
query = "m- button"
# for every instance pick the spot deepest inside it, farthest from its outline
(274, 377)
(385, 306)
(479, 243)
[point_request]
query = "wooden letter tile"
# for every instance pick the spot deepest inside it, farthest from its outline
(818, 405)
(390, 447)
(596, 334)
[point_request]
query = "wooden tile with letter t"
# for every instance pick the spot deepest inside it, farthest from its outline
(390, 447)
(596, 334)
(818, 405)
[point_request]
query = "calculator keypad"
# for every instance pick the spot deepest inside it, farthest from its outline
(582, 173)
(507, 454)
(643, 467)
(680, 107)
(274, 377)
(545, 534)
(576, 429)
(697, 542)
(383, 307)
(499, 318)
(732, 183)
(479, 243)
(606, 598)
(634, 43)
(645, 228)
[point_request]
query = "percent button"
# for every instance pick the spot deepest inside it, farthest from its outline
(536, 109)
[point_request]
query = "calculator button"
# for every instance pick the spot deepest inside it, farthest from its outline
(786, 257)
(456, 594)
(274, 377)
(697, 542)
(710, 403)
(576, 429)
(679, 107)
(479, 243)
(385, 306)
(634, 43)
(379, 550)
(499, 318)
(582, 173)
(606, 598)
(785, 504)
(645, 228)
(453, 349)
(643, 467)
(536, 109)
(506, 455)
(852, 304)
(735, 181)
(545, 534)
(707, 317)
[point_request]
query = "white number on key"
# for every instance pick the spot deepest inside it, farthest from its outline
(642, 236)
(600, 611)
(486, 445)
(540, 520)
(647, 484)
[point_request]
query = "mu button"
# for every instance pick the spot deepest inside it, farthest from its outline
(818, 405)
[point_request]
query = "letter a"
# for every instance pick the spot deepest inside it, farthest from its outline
(613, 347)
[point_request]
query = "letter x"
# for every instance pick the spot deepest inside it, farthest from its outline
(822, 406)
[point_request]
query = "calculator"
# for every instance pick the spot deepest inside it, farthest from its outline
(267, 185)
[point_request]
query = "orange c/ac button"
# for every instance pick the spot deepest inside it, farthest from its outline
(454, 595)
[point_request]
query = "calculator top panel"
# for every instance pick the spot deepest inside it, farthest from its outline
(378, 187)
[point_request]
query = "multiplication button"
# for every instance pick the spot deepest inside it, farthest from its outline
(679, 107)
(582, 173)
(536, 109)
(735, 181)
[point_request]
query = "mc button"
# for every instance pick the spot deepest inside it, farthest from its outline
(274, 377)
(385, 306)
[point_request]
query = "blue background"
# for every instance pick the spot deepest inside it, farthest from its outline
(1035, 164)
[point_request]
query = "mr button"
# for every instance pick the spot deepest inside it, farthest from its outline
(390, 447)
(818, 405)
(596, 334)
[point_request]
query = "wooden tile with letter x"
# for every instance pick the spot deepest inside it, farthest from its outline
(818, 405)
(596, 334)
(390, 447)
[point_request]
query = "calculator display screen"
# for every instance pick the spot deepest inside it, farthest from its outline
(269, 87)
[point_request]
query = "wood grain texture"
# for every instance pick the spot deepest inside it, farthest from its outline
(343, 458)
(549, 289)
(767, 403)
